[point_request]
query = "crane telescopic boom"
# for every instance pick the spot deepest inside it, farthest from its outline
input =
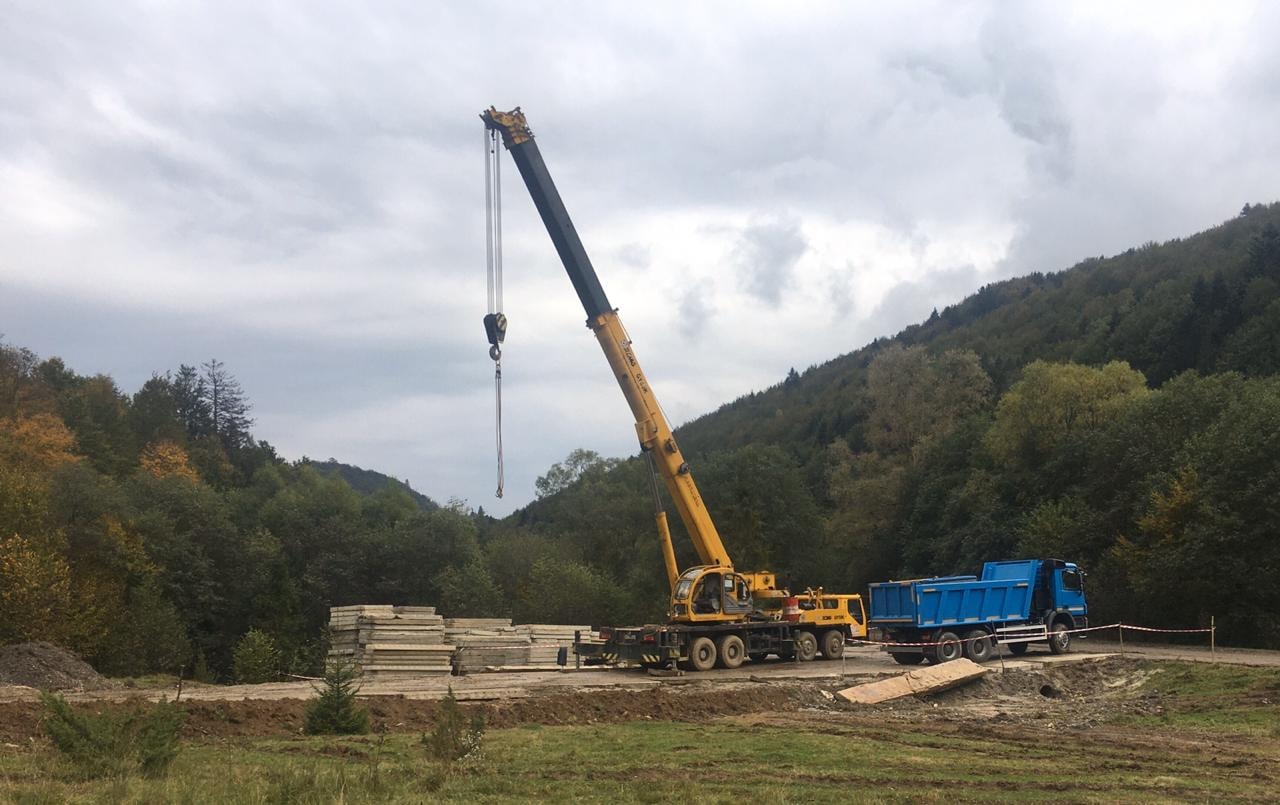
(652, 427)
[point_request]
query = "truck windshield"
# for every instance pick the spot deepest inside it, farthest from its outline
(1070, 580)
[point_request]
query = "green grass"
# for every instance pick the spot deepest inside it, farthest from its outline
(650, 761)
(1215, 737)
(1230, 698)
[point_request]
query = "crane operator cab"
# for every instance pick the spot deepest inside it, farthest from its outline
(710, 594)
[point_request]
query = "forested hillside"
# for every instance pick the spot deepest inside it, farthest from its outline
(1124, 413)
(151, 531)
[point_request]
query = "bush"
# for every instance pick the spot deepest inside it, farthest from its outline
(255, 659)
(454, 737)
(114, 744)
(335, 711)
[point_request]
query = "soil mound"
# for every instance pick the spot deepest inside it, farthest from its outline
(48, 667)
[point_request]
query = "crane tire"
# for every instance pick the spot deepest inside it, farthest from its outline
(806, 646)
(832, 644)
(730, 651)
(702, 654)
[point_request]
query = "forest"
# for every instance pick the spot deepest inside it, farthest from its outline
(1123, 413)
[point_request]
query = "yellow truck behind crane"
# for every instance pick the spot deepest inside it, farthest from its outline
(718, 615)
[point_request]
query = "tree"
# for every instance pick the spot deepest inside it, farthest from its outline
(35, 592)
(190, 397)
(918, 398)
(1054, 402)
(564, 474)
(167, 459)
(227, 405)
(256, 658)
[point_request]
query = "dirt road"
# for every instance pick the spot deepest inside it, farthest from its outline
(1161, 651)
(860, 663)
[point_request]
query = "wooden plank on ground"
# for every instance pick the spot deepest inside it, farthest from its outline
(932, 679)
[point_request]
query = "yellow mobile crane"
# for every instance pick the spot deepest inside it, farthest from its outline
(718, 615)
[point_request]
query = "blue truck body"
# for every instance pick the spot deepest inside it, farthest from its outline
(1012, 603)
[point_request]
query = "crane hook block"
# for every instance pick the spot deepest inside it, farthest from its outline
(495, 326)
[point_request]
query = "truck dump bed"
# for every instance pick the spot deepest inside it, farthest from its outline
(1002, 594)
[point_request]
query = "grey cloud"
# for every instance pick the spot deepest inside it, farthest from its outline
(634, 255)
(295, 143)
(695, 310)
(911, 302)
(766, 254)
(1026, 90)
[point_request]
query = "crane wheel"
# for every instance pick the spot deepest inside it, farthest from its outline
(702, 654)
(806, 646)
(833, 644)
(731, 651)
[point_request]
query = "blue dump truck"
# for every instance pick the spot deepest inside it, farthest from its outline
(1012, 603)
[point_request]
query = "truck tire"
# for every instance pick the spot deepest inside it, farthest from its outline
(948, 647)
(806, 646)
(1017, 649)
(908, 659)
(702, 654)
(1059, 638)
(977, 646)
(730, 650)
(833, 644)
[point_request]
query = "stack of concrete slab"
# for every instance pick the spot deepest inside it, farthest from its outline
(546, 640)
(486, 643)
(387, 641)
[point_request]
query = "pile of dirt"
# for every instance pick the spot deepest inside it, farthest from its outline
(219, 720)
(47, 667)
(1070, 695)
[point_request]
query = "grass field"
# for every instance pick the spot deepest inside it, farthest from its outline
(1214, 737)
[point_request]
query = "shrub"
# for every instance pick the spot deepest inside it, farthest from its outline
(454, 736)
(335, 711)
(114, 744)
(256, 658)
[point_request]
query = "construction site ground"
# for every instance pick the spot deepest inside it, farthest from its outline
(1081, 727)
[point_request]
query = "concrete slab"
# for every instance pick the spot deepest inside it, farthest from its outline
(922, 680)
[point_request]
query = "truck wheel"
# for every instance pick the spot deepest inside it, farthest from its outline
(702, 654)
(1017, 649)
(977, 646)
(908, 659)
(806, 646)
(833, 644)
(1059, 638)
(731, 651)
(948, 647)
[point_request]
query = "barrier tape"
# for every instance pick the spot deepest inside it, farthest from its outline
(988, 636)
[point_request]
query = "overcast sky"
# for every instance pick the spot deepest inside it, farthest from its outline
(296, 188)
